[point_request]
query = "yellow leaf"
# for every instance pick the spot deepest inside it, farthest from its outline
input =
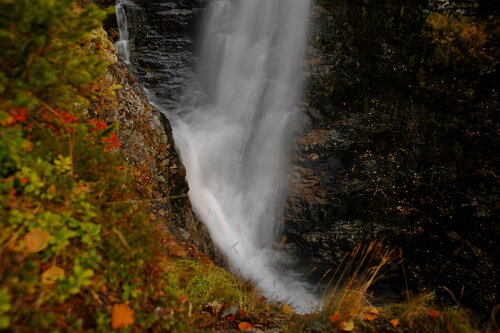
(346, 325)
(36, 240)
(373, 310)
(287, 309)
(395, 322)
(121, 316)
(244, 326)
(51, 275)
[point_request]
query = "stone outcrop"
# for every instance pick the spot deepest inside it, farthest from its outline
(148, 147)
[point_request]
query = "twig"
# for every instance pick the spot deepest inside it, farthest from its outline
(164, 199)
(120, 236)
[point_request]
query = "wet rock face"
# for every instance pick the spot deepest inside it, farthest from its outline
(394, 147)
(162, 44)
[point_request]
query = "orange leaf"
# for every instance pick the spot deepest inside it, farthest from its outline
(243, 313)
(369, 316)
(182, 299)
(36, 240)
(244, 326)
(335, 317)
(434, 313)
(122, 316)
(263, 299)
(51, 275)
(395, 322)
(287, 309)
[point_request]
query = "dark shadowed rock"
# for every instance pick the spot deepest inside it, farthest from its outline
(397, 149)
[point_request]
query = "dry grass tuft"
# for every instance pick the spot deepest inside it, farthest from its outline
(347, 291)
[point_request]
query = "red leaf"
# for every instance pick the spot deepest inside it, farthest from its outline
(231, 317)
(434, 313)
(335, 317)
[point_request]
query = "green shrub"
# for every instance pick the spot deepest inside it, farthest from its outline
(72, 245)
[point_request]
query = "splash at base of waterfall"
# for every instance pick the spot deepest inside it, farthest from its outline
(249, 255)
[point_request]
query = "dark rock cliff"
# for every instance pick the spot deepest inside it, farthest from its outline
(402, 141)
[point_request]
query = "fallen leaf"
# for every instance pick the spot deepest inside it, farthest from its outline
(243, 313)
(121, 316)
(214, 307)
(287, 309)
(292, 323)
(182, 299)
(334, 317)
(369, 316)
(434, 313)
(373, 310)
(51, 189)
(36, 240)
(231, 317)
(346, 325)
(263, 299)
(51, 275)
(244, 326)
(395, 322)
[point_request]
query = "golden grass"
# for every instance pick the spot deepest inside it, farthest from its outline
(347, 291)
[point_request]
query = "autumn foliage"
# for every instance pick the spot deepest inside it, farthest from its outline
(75, 254)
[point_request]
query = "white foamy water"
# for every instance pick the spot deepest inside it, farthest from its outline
(233, 132)
(122, 44)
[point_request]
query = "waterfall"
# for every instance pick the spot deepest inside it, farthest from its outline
(234, 128)
(122, 44)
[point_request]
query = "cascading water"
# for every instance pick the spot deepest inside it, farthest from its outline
(233, 128)
(122, 43)
(234, 140)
